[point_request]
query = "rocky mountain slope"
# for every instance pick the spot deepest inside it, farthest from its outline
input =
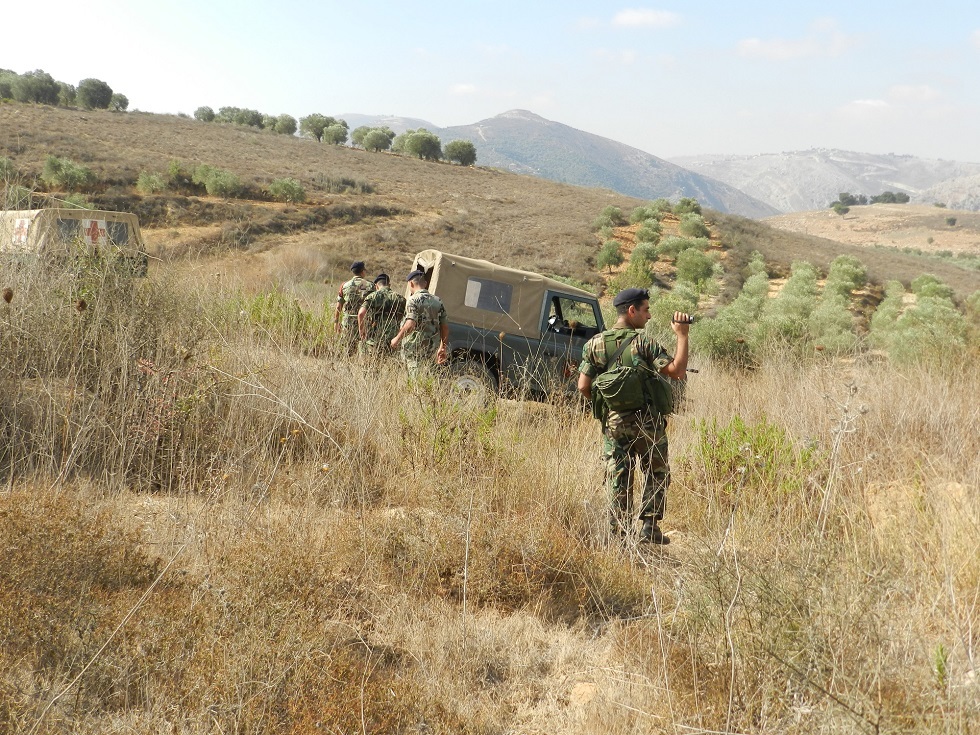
(525, 143)
(805, 180)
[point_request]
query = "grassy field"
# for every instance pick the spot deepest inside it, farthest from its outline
(211, 522)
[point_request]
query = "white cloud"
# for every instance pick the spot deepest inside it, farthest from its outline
(645, 18)
(461, 90)
(913, 93)
(624, 57)
(823, 39)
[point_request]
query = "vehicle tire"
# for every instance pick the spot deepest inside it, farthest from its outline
(472, 382)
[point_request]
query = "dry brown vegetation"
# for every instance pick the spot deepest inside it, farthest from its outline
(211, 522)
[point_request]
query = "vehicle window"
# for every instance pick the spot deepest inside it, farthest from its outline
(482, 293)
(118, 233)
(572, 316)
(68, 229)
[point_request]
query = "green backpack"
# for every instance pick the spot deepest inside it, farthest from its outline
(629, 387)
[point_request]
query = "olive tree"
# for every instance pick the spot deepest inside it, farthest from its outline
(462, 152)
(312, 126)
(94, 94)
(119, 102)
(377, 140)
(285, 125)
(36, 86)
(204, 114)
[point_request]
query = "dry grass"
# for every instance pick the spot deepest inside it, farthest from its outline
(208, 528)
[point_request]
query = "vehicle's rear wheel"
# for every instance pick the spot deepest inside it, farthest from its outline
(472, 382)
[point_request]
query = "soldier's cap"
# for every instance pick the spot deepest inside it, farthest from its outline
(382, 277)
(630, 295)
(415, 274)
(357, 266)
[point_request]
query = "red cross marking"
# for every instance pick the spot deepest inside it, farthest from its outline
(94, 233)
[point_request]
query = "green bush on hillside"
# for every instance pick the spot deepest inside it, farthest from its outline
(785, 319)
(644, 253)
(687, 205)
(150, 183)
(610, 255)
(672, 245)
(846, 275)
(609, 217)
(462, 152)
(217, 182)
(204, 114)
(692, 225)
(695, 266)
(287, 190)
(94, 94)
(649, 232)
(652, 211)
(636, 275)
(63, 173)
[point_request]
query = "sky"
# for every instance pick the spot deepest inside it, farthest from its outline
(670, 78)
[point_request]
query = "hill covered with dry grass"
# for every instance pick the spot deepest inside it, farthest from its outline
(212, 521)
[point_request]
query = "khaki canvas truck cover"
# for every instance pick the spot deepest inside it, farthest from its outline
(484, 295)
(49, 231)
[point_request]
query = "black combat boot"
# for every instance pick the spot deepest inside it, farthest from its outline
(651, 533)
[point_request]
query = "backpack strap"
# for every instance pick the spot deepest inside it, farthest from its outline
(619, 351)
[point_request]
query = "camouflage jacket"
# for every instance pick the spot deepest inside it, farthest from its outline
(384, 311)
(429, 315)
(352, 294)
(594, 362)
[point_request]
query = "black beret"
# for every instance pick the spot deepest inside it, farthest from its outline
(357, 266)
(415, 274)
(381, 277)
(629, 295)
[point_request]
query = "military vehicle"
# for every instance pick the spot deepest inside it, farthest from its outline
(55, 235)
(512, 331)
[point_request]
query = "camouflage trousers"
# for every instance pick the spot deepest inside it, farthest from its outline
(631, 443)
(349, 335)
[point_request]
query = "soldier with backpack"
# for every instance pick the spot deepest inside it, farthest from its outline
(380, 316)
(627, 377)
(349, 300)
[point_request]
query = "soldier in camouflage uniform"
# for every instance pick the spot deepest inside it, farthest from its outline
(349, 301)
(637, 437)
(380, 317)
(424, 326)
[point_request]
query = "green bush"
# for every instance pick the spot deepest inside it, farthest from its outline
(204, 114)
(731, 337)
(94, 94)
(636, 275)
(672, 245)
(285, 125)
(609, 217)
(462, 152)
(63, 173)
(649, 232)
(786, 318)
(846, 275)
(287, 190)
(695, 266)
(832, 325)
(929, 285)
(610, 255)
(692, 225)
(951, 221)
(150, 183)
(649, 212)
(378, 139)
(687, 205)
(342, 184)
(644, 253)
(119, 102)
(217, 182)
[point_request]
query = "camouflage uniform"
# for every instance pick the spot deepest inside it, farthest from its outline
(352, 295)
(384, 312)
(628, 438)
(420, 345)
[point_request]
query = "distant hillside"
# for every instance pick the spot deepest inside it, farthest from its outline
(806, 180)
(525, 143)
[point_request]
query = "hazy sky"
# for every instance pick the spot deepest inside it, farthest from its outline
(670, 78)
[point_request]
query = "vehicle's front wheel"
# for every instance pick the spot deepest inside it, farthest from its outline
(472, 381)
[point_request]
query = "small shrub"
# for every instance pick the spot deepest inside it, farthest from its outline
(649, 232)
(644, 253)
(610, 255)
(150, 183)
(951, 221)
(217, 182)
(342, 185)
(609, 217)
(648, 213)
(636, 275)
(687, 205)
(672, 246)
(694, 266)
(692, 225)
(287, 190)
(63, 173)
(204, 114)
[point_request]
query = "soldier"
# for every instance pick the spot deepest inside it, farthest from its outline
(425, 322)
(349, 301)
(380, 316)
(636, 436)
